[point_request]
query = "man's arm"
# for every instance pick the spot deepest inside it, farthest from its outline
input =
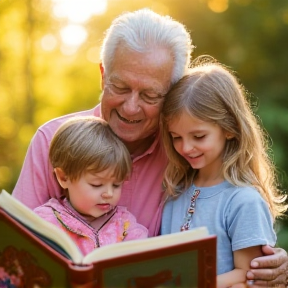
(36, 183)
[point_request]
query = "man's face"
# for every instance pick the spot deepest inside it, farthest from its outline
(133, 93)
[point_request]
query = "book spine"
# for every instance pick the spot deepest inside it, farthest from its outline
(81, 276)
(207, 260)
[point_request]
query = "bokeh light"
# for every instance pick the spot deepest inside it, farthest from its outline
(48, 42)
(73, 35)
(78, 11)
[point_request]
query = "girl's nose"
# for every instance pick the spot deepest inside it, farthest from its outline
(187, 146)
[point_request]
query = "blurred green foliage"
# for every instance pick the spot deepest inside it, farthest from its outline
(37, 84)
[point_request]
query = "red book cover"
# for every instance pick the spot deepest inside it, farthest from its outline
(30, 259)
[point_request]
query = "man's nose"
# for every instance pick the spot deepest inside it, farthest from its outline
(131, 104)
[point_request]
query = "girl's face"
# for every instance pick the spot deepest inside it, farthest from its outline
(200, 143)
(94, 194)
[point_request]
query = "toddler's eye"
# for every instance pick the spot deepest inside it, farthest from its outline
(96, 185)
(117, 185)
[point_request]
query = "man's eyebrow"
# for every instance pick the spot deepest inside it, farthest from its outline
(153, 90)
(115, 78)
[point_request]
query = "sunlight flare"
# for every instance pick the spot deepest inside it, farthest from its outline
(73, 35)
(78, 11)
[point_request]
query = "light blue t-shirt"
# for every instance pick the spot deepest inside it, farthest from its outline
(239, 216)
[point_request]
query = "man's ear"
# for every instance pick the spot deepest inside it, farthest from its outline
(61, 177)
(102, 75)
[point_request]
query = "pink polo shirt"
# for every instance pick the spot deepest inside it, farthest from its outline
(142, 194)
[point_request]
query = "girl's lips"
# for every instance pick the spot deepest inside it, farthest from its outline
(194, 160)
(195, 157)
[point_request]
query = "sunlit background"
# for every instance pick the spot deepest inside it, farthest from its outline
(73, 32)
(49, 56)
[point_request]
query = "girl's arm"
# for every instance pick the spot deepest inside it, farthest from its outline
(242, 259)
(271, 269)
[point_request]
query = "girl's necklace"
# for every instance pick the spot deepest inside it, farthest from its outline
(190, 211)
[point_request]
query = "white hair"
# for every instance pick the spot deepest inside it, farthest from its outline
(143, 30)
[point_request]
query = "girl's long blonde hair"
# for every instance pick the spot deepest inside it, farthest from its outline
(211, 92)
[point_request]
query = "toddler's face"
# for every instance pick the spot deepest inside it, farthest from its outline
(94, 194)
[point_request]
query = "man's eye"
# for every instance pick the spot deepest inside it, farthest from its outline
(118, 90)
(199, 136)
(155, 99)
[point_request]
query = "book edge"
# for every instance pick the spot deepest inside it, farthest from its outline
(32, 221)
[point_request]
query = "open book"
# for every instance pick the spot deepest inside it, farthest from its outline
(157, 260)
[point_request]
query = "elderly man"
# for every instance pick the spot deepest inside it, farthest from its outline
(143, 54)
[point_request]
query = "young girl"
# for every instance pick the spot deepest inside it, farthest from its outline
(90, 164)
(219, 173)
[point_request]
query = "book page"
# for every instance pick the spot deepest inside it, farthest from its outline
(25, 215)
(133, 246)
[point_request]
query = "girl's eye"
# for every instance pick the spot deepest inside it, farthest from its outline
(175, 138)
(199, 136)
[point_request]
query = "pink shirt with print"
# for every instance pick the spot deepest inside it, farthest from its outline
(142, 194)
(87, 232)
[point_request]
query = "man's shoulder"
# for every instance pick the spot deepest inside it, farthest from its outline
(59, 120)
(49, 128)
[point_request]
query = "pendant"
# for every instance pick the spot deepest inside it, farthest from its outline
(190, 211)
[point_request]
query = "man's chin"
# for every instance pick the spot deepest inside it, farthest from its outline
(128, 139)
(126, 135)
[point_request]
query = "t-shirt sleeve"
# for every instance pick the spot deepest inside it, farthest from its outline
(249, 221)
